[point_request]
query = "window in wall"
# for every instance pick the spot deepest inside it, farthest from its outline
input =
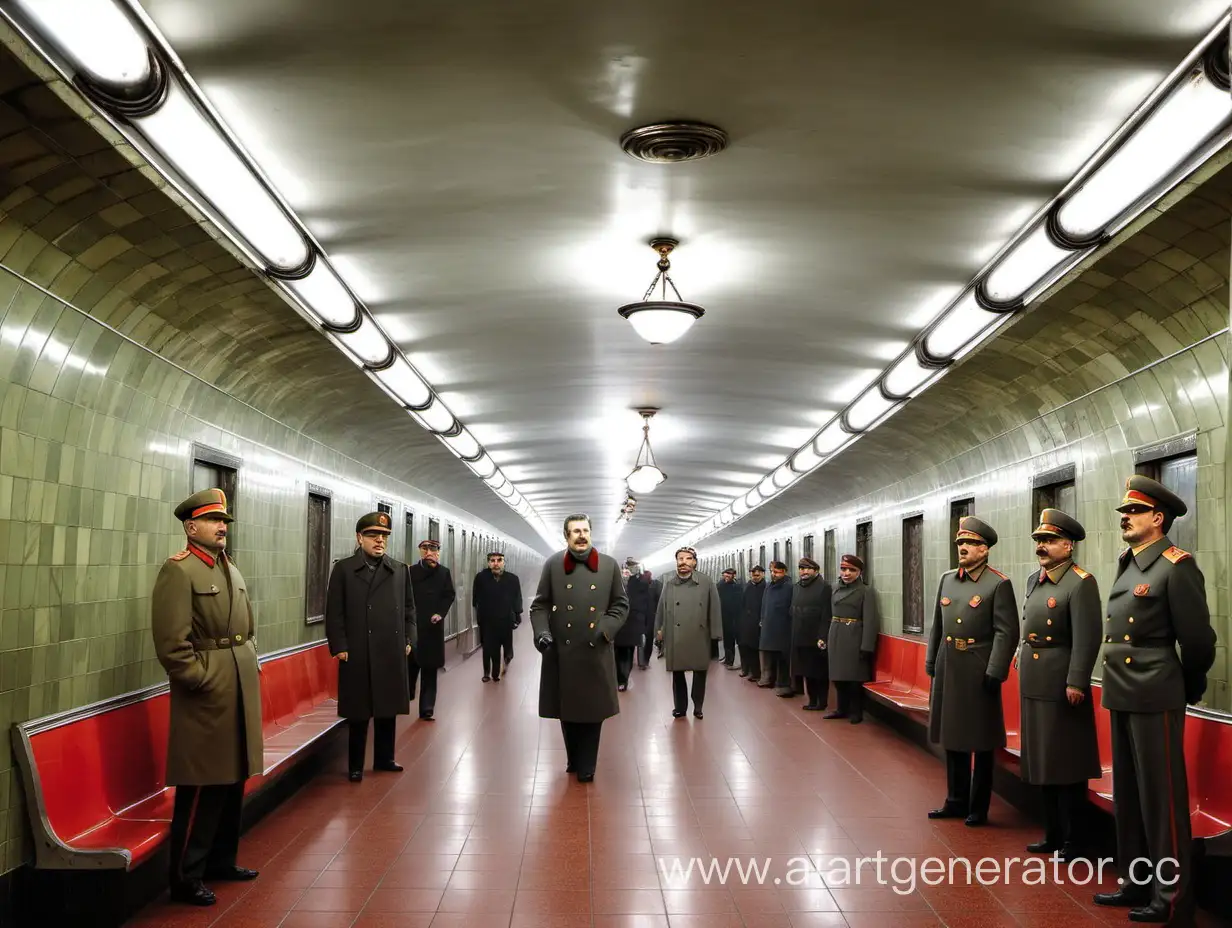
(434, 530)
(317, 573)
(959, 508)
(1175, 465)
(762, 555)
(1054, 489)
(385, 507)
(791, 561)
(212, 469)
(913, 574)
(808, 547)
(412, 543)
(864, 547)
(449, 550)
(777, 557)
(830, 547)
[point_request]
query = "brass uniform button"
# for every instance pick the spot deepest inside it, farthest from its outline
(553, 608)
(570, 608)
(1035, 657)
(592, 608)
(1131, 619)
(949, 638)
(592, 586)
(568, 625)
(1127, 637)
(1129, 660)
(1048, 637)
(1050, 621)
(592, 624)
(959, 621)
(239, 638)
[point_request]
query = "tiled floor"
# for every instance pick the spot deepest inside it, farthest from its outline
(485, 829)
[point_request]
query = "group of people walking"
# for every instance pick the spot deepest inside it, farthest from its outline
(385, 625)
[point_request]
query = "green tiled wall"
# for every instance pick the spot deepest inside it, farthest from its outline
(96, 439)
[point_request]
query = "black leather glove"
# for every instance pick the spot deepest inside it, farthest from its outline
(1195, 686)
(543, 642)
(991, 684)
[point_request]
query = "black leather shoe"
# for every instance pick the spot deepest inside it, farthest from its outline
(231, 874)
(486, 678)
(677, 714)
(1154, 912)
(947, 812)
(697, 713)
(355, 776)
(426, 716)
(975, 820)
(496, 678)
(1122, 897)
(1043, 847)
(193, 892)
(388, 767)
(569, 767)
(585, 777)
(831, 715)
(856, 719)
(812, 707)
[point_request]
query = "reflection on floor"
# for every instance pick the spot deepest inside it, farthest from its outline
(485, 829)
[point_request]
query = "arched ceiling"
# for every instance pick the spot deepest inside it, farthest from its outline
(461, 165)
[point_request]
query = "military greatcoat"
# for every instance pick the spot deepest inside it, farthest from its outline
(203, 630)
(853, 632)
(974, 634)
(434, 595)
(1060, 642)
(370, 614)
(690, 616)
(810, 623)
(1157, 602)
(581, 605)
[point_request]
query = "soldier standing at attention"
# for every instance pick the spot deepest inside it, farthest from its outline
(811, 602)
(1157, 604)
(370, 625)
(434, 596)
(970, 646)
(1060, 642)
(853, 638)
(203, 631)
(578, 608)
(731, 598)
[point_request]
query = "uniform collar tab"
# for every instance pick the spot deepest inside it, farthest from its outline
(206, 558)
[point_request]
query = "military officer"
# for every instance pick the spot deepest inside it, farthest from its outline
(854, 627)
(972, 641)
(1156, 607)
(1060, 642)
(578, 608)
(204, 631)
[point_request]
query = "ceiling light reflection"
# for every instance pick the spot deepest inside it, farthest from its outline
(436, 418)
(908, 375)
(95, 35)
(963, 323)
(366, 343)
(1027, 264)
(322, 292)
(405, 383)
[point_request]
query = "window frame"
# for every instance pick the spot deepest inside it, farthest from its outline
(325, 495)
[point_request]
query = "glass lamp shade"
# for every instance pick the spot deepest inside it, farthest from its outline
(644, 478)
(661, 322)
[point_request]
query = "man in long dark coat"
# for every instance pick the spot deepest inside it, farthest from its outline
(629, 639)
(497, 599)
(1060, 642)
(434, 597)
(731, 596)
(579, 607)
(643, 592)
(775, 639)
(370, 626)
(204, 630)
(972, 640)
(689, 617)
(749, 631)
(810, 627)
(1158, 648)
(854, 626)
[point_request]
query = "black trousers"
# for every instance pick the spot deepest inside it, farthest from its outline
(729, 644)
(680, 690)
(383, 731)
(714, 649)
(205, 830)
(427, 696)
(970, 791)
(750, 661)
(818, 690)
(647, 649)
(775, 669)
(1063, 806)
(1152, 807)
(582, 745)
(624, 663)
(850, 698)
(507, 644)
(493, 641)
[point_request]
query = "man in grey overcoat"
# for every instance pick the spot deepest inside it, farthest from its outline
(970, 645)
(1061, 631)
(578, 608)
(370, 626)
(854, 627)
(689, 617)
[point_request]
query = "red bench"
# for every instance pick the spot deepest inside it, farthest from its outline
(901, 682)
(93, 776)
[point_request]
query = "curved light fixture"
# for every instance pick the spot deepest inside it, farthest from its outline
(125, 69)
(1185, 120)
(645, 476)
(784, 476)
(662, 321)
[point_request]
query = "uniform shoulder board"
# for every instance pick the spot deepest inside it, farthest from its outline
(1176, 555)
(1080, 572)
(179, 557)
(998, 573)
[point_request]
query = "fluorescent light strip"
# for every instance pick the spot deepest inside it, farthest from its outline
(98, 40)
(1190, 121)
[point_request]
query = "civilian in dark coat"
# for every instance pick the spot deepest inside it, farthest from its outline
(578, 608)
(643, 592)
(731, 597)
(497, 600)
(810, 627)
(629, 638)
(775, 641)
(434, 596)
(749, 631)
(370, 626)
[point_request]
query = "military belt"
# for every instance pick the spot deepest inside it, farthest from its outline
(845, 620)
(1043, 644)
(961, 644)
(218, 644)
